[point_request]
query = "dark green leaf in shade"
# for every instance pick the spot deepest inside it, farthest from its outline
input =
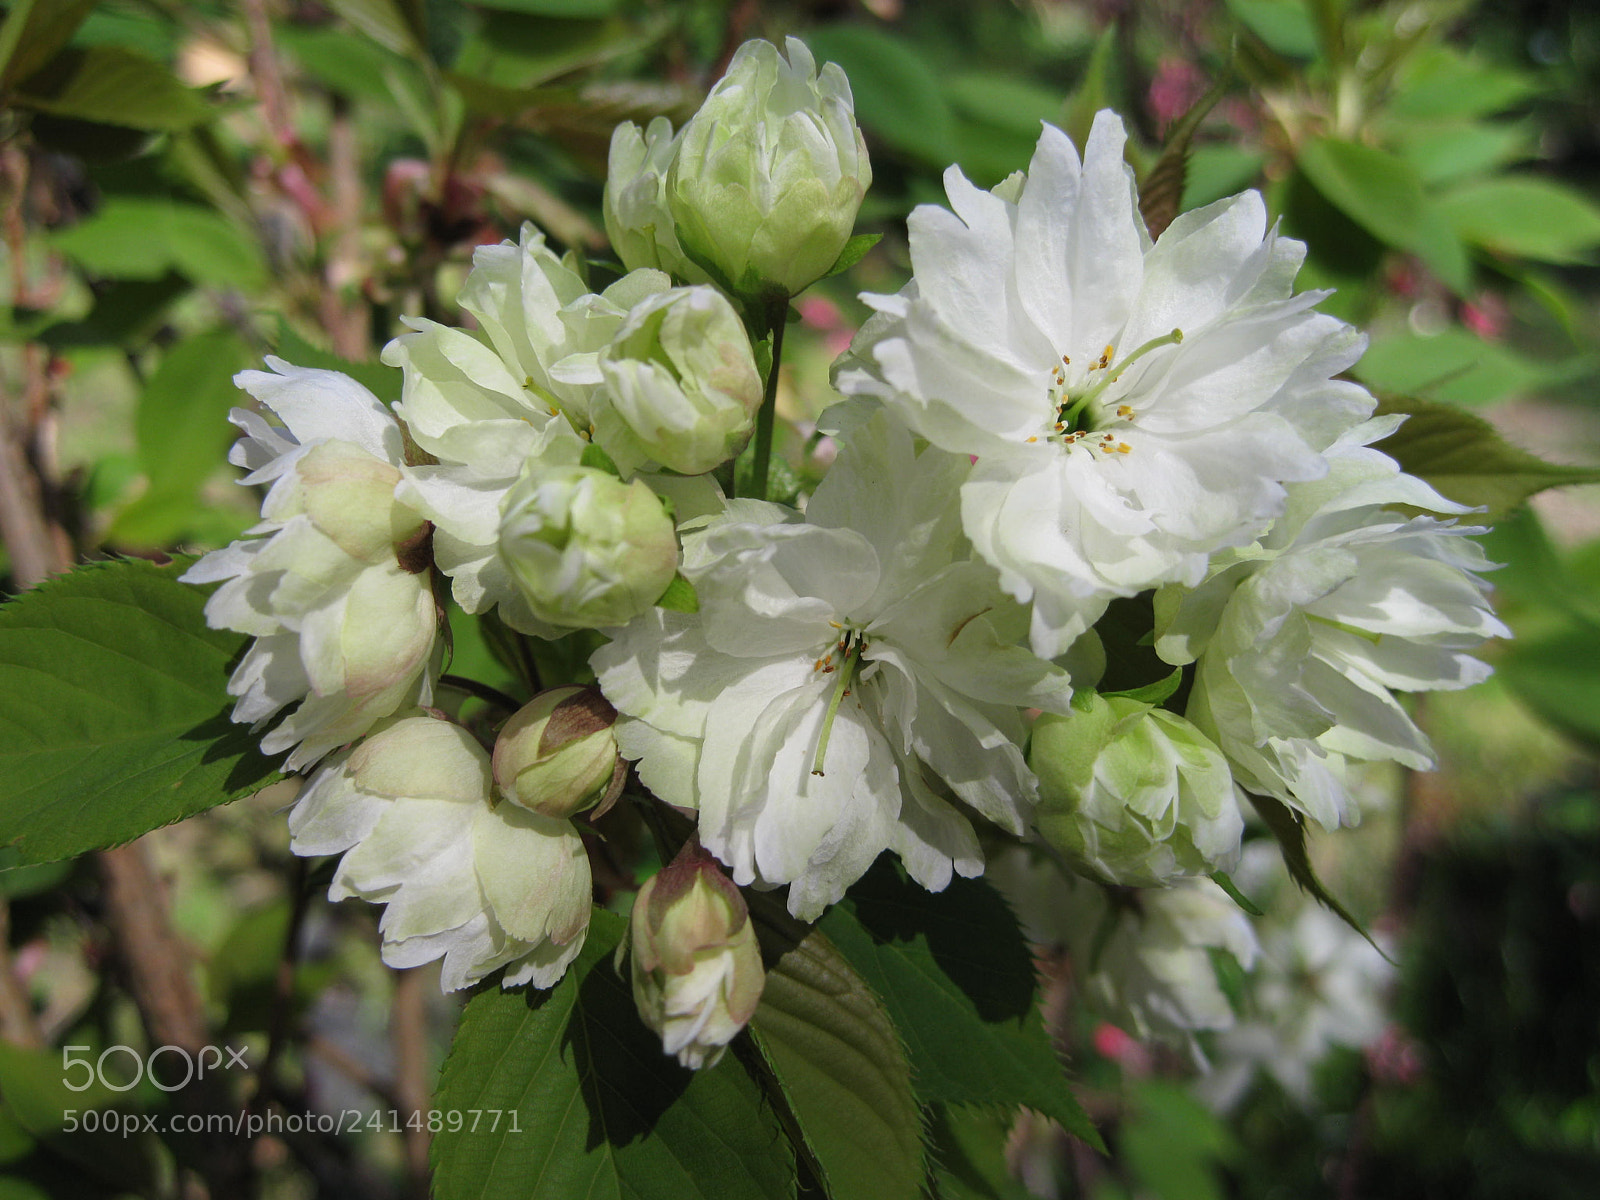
(589, 1104)
(1383, 194)
(33, 32)
(1466, 459)
(1289, 828)
(114, 711)
(831, 1048)
(958, 980)
(680, 596)
(854, 251)
(1161, 190)
(114, 86)
(968, 1145)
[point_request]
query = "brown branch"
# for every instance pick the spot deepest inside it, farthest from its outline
(408, 1030)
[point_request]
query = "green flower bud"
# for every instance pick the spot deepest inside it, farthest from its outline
(682, 385)
(697, 973)
(557, 755)
(1132, 794)
(585, 549)
(637, 219)
(770, 172)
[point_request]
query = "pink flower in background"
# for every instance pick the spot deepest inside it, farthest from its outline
(1178, 83)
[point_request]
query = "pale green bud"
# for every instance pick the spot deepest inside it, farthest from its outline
(1132, 794)
(769, 173)
(557, 755)
(348, 495)
(697, 974)
(681, 382)
(584, 549)
(637, 219)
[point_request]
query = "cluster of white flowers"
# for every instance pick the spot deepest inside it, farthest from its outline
(1054, 415)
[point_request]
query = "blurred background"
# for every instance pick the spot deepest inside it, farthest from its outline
(187, 185)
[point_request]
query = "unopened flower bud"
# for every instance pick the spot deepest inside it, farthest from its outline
(697, 973)
(769, 173)
(585, 549)
(557, 755)
(682, 384)
(637, 219)
(1132, 794)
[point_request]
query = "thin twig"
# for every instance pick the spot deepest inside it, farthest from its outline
(409, 1033)
(482, 691)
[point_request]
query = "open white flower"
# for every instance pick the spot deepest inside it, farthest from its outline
(1133, 407)
(333, 583)
(1301, 636)
(483, 885)
(843, 676)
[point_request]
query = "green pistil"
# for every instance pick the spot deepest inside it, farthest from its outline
(847, 672)
(1069, 416)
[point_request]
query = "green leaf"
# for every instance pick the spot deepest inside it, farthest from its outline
(1153, 693)
(1443, 153)
(1289, 828)
(958, 980)
(1456, 365)
(1526, 217)
(1443, 83)
(854, 251)
(680, 596)
(114, 711)
(1218, 171)
(33, 32)
(590, 9)
(898, 96)
(1284, 25)
(834, 1054)
(1094, 90)
(396, 25)
(383, 382)
(141, 238)
(1553, 674)
(1382, 193)
(595, 457)
(969, 1149)
(1466, 459)
(182, 425)
(590, 1105)
(1173, 1143)
(113, 86)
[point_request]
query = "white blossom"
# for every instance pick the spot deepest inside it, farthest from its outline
(333, 582)
(1133, 407)
(843, 676)
(1302, 636)
(480, 884)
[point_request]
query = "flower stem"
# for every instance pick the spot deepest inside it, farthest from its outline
(777, 318)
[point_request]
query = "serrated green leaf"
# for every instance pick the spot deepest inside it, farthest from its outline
(854, 251)
(599, 1110)
(140, 238)
(1289, 829)
(680, 596)
(833, 1050)
(114, 711)
(1526, 217)
(33, 31)
(113, 86)
(1466, 459)
(957, 978)
(1383, 194)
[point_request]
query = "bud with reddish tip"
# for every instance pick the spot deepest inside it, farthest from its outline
(697, 973)
(557, 755)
